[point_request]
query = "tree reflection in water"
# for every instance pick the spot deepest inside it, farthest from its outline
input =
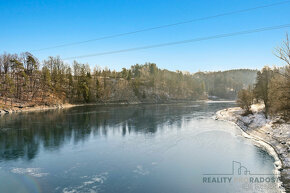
(22, 135)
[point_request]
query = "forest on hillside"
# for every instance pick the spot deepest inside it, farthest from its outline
(226, 84)
(27, 81)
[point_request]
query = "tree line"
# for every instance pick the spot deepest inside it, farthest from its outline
(23, 78)
(26, 80)
(272, 87)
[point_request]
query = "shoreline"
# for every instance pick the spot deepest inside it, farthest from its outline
(36, 108)
(259, 138)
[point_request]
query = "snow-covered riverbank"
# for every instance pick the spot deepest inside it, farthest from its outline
(270, 134)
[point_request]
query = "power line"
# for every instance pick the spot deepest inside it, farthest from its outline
(184, 41)
(163, 26)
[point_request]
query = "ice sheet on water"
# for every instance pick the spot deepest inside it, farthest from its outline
(89, 184)
(35, 172)
(140, 170)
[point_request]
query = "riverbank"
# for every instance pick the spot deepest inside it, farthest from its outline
(270, 134)
(19, 108)
(35, 108)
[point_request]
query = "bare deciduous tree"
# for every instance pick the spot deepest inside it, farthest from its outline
(283, 51)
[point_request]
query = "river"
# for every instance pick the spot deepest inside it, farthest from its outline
(170, 148)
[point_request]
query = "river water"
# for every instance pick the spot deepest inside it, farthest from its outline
(172, 148)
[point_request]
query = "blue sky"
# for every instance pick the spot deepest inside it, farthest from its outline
(29, 25)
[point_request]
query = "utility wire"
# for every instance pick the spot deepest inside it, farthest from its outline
(164, 26)
(184, 41)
